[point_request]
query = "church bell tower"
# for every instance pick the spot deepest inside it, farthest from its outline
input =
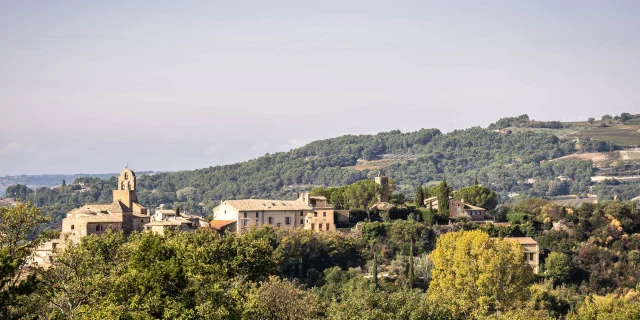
(126, 191)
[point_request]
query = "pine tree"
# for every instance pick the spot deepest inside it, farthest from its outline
(476, 181)
(177, 211)
(64, 183)
(419, 197)
(444, 193)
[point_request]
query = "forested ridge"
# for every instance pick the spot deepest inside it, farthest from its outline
(507, 162)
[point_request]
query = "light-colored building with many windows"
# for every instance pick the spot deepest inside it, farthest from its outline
(307, 212)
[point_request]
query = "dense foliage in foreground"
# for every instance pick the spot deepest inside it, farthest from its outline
(440, 272)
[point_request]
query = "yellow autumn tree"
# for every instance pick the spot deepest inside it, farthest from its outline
(475, 275)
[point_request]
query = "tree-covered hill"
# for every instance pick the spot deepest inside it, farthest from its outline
(509, 162)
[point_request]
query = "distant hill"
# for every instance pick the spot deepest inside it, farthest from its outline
(512, 157)
(48, 180)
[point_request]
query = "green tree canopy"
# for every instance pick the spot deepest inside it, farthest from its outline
(477, 195)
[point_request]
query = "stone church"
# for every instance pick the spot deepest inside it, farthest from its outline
(124, 213)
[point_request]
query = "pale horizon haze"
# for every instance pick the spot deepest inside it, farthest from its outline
(92, 86)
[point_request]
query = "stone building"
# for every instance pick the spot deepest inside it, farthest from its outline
(458, 208)
(531, 251)
(307, 212)
(323, 217)
(385, 189)
(168, 219)
(124, 213)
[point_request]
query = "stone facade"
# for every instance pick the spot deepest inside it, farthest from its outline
(385, 192)
(531, 251)
(124, 213)
(307, 212)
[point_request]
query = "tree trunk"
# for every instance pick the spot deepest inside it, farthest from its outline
(411, 280)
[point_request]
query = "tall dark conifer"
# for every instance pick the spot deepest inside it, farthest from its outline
(444, 193)
(419, 197)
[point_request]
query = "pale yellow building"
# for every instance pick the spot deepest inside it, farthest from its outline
(531, 251)
(307, 213)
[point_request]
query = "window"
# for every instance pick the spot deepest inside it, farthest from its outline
(287, 220)
(327, 226)
(98, 227)
(301, 221)
(301, 213)
(73, 227)
(257, 214)
(270, 220)
(315, 214)
(531, 256)
(245, 214)
(141, 220)
(313, 226)
(122, 185)
(126, 175)
(244, 223)
(324, 214)
(320, 226)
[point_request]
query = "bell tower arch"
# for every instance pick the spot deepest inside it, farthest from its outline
(126, 188)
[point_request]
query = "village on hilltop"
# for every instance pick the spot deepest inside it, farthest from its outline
(307, 212)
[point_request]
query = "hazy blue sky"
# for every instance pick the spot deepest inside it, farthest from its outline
(170, 85)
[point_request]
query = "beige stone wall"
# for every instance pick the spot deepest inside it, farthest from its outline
(272, 218)
(319, 219)
(91, 227)
(139, 222)
(532, 256)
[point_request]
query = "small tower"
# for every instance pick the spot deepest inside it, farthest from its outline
(383, 181)
(126, 191)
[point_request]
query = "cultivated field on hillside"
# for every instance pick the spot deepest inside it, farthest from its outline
(387, 160)
(622, 135)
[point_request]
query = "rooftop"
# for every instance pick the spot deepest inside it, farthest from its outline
(522, 240)
(267, 205)
(219, 224)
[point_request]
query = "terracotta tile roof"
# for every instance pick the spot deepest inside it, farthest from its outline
(522, 240)
(167, 212)
(219, 224)
(140, 215)
(118, 207)
(89, 216)
(268, 205)
(166, 223)
(470, 207)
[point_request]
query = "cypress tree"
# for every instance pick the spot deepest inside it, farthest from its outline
(64, 183)
(419, 197)
(443, 198)
(177, 211)
(476, 181)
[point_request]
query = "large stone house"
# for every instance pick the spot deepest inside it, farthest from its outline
(124, 213)
(307, 213)
(458, 208)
